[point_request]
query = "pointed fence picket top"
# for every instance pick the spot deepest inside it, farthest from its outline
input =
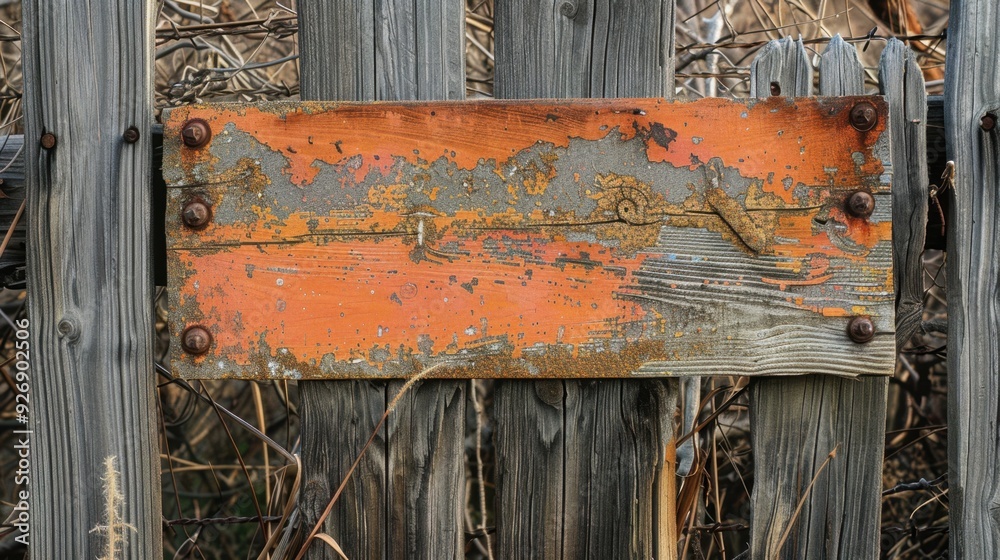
(818, 441)
(902, 83)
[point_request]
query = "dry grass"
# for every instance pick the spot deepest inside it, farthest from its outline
(229, 448)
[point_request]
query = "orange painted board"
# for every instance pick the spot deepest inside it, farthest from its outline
(570, 238)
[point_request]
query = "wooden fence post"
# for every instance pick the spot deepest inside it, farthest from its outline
(87, 78)
(407, 497)
(584, 468)
(797, 423)
(972, 106)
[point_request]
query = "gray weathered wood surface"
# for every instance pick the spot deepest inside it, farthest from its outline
(584, 469)
(407, 497)
(12, 187)
(972, 90)
(797, 422)
(902, 83)
(87, 78)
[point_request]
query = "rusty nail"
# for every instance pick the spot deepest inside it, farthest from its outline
(861, 329)
(775, 89)
(988, 122)
(196, 133)
(864, 116)
(861, 204)
(196, 340)
(48, 140)
(131, 135)
(196, 214)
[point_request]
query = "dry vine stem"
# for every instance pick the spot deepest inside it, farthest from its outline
(802, 500)
(314, 533)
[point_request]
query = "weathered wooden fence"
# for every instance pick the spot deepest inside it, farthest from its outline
(585, 468)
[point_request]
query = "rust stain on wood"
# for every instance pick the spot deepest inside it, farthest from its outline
(582, 238)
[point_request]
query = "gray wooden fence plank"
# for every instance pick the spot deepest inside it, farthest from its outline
(337, 419)
(407, 499)
(902, 83)
(87, 78)
(573, 456)
(972, 92)
(796, 422)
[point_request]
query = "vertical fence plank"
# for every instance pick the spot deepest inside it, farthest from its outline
(87, 78)
(902, 83)
(795, 423)
(584, 468)
(406, 499)
(972, 92)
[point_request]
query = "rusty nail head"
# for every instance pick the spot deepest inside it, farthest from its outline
(864, 116)
(196, 340)
(131, 135)
(988, 122)
(860, 204)
(196, 214)
(861, 329)
(48, 141)
(196, 133)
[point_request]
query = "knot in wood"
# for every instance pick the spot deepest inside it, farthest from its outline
(630, 211)
(68, 329)
(568, 8)
(550, 392)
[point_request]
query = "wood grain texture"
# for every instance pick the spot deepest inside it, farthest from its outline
(387, 50)
(11, 208)
(552, 435)
(633, 237)
(796, 423)
(338, 417)
(972, 89)
(413, 506)
(902, 83)
(584, 48)
(87, 78)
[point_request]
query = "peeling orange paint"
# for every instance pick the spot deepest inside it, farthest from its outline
(341, 241)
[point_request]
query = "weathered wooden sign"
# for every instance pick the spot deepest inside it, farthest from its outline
(583, 238)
